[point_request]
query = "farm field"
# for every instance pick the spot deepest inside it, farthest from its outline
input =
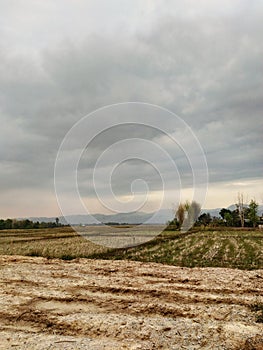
(64, 242)
(217, 248)
(100, 304)
(52, 298)
(241, 249)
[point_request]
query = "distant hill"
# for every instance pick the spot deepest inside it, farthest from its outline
(160, 217)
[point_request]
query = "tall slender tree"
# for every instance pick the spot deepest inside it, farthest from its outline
(241, 208)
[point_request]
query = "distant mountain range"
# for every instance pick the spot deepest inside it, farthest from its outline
(160, 217)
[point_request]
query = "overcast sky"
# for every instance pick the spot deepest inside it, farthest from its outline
(61, 60)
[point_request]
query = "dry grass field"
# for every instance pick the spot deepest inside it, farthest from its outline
(65, 243)
(56, 242)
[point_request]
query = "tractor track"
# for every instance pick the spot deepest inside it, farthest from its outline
(103, 304)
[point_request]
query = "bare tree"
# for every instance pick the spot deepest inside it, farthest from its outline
(180, 213)
(241, 208)
(187, 213)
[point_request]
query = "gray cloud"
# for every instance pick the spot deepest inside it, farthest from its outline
(205, 68)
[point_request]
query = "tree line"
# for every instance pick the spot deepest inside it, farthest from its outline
(187, 215)
(27, 224)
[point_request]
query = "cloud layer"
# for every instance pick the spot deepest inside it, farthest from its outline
(203, 63)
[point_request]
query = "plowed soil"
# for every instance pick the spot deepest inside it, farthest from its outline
(99, 304)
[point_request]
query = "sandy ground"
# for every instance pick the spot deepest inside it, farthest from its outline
(96, 304)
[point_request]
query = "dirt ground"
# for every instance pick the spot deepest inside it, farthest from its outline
(97, 304)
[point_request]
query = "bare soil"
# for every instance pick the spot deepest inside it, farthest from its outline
(99, 304)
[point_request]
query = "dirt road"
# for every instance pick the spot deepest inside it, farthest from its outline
(94, 304)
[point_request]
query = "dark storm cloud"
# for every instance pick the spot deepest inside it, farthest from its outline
(206, 70)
